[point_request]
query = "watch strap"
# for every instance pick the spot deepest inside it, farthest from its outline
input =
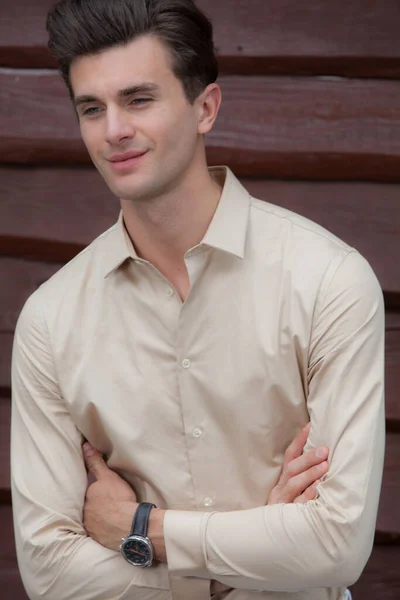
(140, 522)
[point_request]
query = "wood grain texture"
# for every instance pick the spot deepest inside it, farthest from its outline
(280, 127)
(66, 206)
(358, 38)
(50, 214)
(284, 36)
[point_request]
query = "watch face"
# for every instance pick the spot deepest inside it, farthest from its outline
(137, 551)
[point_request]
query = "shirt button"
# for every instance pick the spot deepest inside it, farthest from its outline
(197, 432)
(170, 292)
(186, 363)
(208, 502)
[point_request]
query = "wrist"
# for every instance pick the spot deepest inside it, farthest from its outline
(125, 511)
(156, 533)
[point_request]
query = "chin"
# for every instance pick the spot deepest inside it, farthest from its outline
(122, 186)
(128, 190)
(137, 185)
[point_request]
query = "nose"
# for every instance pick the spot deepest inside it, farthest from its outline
(119, 127)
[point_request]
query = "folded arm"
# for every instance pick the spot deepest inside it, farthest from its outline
(56, 557)
(325, 542)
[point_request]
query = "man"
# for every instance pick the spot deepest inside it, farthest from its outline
(189, 344)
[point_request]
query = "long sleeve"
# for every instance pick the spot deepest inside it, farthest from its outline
(326, 542)
(56, 558)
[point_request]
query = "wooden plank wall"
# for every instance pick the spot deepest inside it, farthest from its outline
(310, 120)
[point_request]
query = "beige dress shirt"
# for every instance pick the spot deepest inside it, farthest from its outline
(194, 404)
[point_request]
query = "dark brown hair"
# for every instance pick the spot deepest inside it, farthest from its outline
(82, 27)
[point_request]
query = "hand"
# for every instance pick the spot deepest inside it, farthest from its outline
(110, 502)
(300, 473)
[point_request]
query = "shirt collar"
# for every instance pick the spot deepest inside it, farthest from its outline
(118, 247)
(227, 230)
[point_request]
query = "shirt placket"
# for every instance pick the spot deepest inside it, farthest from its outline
(192, 415)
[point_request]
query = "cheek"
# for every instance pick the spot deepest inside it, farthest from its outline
(178, 134)
(91, 139)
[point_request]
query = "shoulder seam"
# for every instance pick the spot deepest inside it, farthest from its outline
(342, 244)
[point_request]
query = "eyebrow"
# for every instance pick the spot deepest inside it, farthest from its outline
(143, 88)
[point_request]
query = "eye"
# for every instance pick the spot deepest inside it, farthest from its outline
(140, 101)
(93, 110)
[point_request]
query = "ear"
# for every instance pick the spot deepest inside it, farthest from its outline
(208, 102)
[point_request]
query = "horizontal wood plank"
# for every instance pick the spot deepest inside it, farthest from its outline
(65, 206)
(275, 36)
(280, 127)
(50, 214)
(315, 37)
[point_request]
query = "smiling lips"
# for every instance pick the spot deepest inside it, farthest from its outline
(126, 156)
(122, 162)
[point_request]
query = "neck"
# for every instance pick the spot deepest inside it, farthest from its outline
(163, 229)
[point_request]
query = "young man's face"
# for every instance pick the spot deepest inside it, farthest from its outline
(142, 141)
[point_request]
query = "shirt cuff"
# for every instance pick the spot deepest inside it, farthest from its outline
(184, 536)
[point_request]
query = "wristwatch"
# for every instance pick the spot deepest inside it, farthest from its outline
(136, 548)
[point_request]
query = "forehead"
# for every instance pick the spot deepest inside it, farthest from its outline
(144, 59)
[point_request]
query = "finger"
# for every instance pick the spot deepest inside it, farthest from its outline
(309, 494)
(296, 447)
(296, 485)
(94, 461)
(305, 462)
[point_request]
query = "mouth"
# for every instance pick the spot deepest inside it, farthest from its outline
(125, 162)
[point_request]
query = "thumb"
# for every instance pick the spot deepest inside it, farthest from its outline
(94, 461)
